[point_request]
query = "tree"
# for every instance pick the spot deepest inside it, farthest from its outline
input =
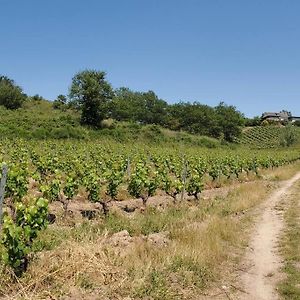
(230, 121)
(60, 102)
(288, 136)
(37, 98)
(62, 99)
(297, 123)
(194, 117)
(92, 93)
(255, 121)
(154, 109)
(126, 105)
(143, 107)
(11, 95)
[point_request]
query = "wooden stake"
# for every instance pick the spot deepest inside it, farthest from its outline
(2, 191)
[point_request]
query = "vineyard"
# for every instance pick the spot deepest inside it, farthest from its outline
(60, 170)
(63, 168)
(149, 150)
(54, 172)
(263, 137)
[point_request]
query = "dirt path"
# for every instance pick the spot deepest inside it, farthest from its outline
(262, 261)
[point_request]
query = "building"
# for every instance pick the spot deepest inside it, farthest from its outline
(294, 119)
(283, 116)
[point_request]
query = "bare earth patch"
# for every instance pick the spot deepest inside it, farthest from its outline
(262, 262)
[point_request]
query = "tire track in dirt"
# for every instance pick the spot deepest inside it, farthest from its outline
(263, 261)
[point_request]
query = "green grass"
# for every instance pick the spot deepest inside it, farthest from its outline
(38, 120)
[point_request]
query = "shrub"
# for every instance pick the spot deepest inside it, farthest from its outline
(108, 123)
(288, 136)
(11, 95)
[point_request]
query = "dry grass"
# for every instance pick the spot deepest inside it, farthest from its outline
(289, 287)
(282, 173)
(205, 241)
(276, 174)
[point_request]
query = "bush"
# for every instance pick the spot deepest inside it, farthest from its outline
(68, 132)
(40, 133)
(208, 143)
(153, 133)
(265, 123)
(108, 123)
(11, 95)
(297, 123)
(289, 136)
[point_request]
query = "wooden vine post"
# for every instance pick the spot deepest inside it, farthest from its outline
(2, 191)
(128, 167)
(184, 178)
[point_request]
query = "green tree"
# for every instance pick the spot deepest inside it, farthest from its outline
(230, 121)
(93, 94)
(288, 136)
(126, 105)
(255, 121)
(60, 102)
(62, 99)
(194, 118)
(297, 123)
(143, 107)
(11, 95)
(154, 109)
(37, 98)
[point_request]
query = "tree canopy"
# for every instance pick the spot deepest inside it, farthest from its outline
(230, 121)
(92, 93)
(93, 96)
(142, 107)
(11, 95)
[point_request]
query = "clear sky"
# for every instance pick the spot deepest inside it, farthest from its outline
(242, 52)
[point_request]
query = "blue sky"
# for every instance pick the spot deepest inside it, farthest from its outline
(245, 53)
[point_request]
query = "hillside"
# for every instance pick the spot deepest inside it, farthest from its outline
(264, 136)
(38, 120)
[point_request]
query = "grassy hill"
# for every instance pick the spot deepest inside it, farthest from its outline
(264, 136)
(38, 120)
